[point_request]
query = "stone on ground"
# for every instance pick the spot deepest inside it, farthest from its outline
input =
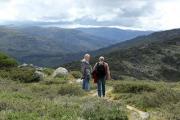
(40, 75)
(60, 72)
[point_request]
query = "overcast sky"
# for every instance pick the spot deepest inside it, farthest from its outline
(135, 14)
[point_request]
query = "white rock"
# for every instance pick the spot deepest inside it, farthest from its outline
(39, 75)
(79, 80)
(39, 68)
(23, 65)
(60, 72)
(31, 65)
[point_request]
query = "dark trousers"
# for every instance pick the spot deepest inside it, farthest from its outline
(101, 87)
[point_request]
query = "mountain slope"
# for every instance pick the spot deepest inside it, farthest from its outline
(115, 35)
(157, 61)
(142, 40)
(156, 57)
(35, 42)
(49, 39)
(48, 46)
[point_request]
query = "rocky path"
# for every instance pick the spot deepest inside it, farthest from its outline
(138, 114)
(134, 113)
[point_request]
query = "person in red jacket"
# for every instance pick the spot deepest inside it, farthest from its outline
(102, 73)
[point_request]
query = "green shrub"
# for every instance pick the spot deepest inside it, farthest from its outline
(76, 74)
(3, 105)
(48, 71)
(65, 112)
(104, 111)
(170, 74)
(145, 95)
(159, 98)
(54, 81)
(25, 75)
(6, 61)
(171, 111)
(133, 87)
(22, 116)
(70, 89)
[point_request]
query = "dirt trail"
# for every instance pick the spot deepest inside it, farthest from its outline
(135, 114)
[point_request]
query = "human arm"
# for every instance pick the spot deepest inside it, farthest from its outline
(94, 68)
(108, 74)
(83, 70)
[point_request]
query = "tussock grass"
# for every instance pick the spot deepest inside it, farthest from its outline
(53, 101)
(71, 89)
(150, 96)
(133, 87)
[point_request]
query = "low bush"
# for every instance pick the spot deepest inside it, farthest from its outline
(22, 116)
(3, 105)
(6, 61)
(48, 71)
(159, 98)
(54, 81)
(70, 89)
(170, 74)
(76, 74)
(104, 111)
(171, 111)
(25, 75)
(133, 87)
(145, 95)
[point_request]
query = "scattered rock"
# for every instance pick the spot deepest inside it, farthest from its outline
(39, 68)
(60, 72)
(39, 75)
(24, 65)
(79, 80)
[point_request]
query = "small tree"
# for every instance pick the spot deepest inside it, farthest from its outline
(6, 61)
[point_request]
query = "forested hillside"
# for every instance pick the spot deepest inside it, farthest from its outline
(155, 57)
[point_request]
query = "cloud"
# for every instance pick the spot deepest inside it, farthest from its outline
(140, 14)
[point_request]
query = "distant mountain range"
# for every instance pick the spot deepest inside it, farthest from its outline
(155, 56)
(140, 41)
(52, 46)
(115, 35)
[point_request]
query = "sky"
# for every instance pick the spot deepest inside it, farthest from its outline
(127, 14)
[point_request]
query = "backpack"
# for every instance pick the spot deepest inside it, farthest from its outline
(101, 70)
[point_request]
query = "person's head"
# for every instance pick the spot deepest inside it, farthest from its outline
(101, 59)
(87, 57)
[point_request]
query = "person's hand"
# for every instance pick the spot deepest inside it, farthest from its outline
(108, 77)
(89, 77)
(82, 77)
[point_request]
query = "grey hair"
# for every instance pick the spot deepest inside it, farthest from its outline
(86, 55)
(101, 58)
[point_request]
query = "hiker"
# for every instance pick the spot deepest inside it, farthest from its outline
(101, 73)
(86, 72)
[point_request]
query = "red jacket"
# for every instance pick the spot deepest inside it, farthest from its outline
(94, 73)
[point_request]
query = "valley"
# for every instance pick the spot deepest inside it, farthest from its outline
(52, 46)
(89, 60)
(145, 86)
